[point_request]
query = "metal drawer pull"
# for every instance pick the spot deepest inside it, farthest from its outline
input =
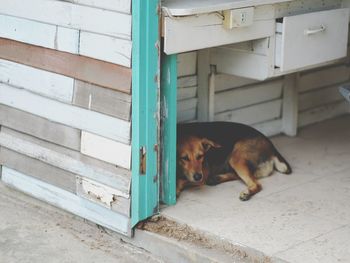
(312, 31)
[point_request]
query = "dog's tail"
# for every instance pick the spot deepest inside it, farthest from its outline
(280, 164)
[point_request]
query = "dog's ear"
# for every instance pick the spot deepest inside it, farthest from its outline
(207, 144)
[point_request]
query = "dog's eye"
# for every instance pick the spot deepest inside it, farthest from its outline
(185, 158)
(200, 156)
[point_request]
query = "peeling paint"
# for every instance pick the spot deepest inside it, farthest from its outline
(96, 192)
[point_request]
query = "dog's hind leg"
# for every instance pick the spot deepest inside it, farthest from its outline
(264, 169)
(244, 172)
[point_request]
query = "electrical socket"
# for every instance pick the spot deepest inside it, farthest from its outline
(242, 17)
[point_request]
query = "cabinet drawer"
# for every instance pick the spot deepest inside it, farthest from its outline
(182, 34)
(311, 39)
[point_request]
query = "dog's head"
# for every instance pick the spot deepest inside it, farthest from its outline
(190, 157)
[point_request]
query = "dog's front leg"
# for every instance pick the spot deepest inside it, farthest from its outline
(180, 185)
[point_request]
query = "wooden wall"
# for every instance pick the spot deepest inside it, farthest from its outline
(247, 101)
(65, 104)
(264, 104)
(187, 87)
(319, 98)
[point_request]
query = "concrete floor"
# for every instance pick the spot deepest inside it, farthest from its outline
(302, 217)
(32, 231)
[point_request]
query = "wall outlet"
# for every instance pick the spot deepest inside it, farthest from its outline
(238, 17)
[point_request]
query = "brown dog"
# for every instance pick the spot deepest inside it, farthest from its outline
(216, 152)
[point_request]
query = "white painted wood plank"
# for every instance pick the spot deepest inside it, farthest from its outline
(37, 169)
(184, 105)
(193, 7)
(102, 195)
(70, 15)
(186, 93)
(73, 116)
(111, 49)
(115, 50)
(204, 31)
(105, 149)
(39, 127)
(187, 115)
(225, 82)
(290, 104)
(245, 96)
(270, 128)
(117, 178)
(278, 45)
(40, 34)
(123, 6)
(211, 94)
(187, 64)
(323, 77)
(253, 114)
(319, 97)
(20, 30)
(39, 81)
(187, 81)
(67, 201)
(203, 65)
(323, 113)
(67, 40)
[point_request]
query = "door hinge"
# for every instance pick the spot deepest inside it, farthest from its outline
(156, 149)
(143, 160)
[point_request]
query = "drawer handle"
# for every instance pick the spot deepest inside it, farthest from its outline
(313, 31)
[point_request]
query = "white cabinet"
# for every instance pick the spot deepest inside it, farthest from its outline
(284, 36)
(188, 33)
(189, 25)
(300, 42)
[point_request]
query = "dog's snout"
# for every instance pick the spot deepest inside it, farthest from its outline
(197, 177)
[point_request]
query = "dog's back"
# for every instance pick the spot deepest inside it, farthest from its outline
(222, 132)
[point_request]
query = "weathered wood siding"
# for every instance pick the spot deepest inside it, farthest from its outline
(65, 104)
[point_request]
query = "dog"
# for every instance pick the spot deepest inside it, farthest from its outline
(215, 152)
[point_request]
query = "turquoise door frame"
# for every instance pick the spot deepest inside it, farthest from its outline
(168, 93)
(148, 149)
(145, 109)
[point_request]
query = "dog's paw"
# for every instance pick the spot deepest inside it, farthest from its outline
(244, 196)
